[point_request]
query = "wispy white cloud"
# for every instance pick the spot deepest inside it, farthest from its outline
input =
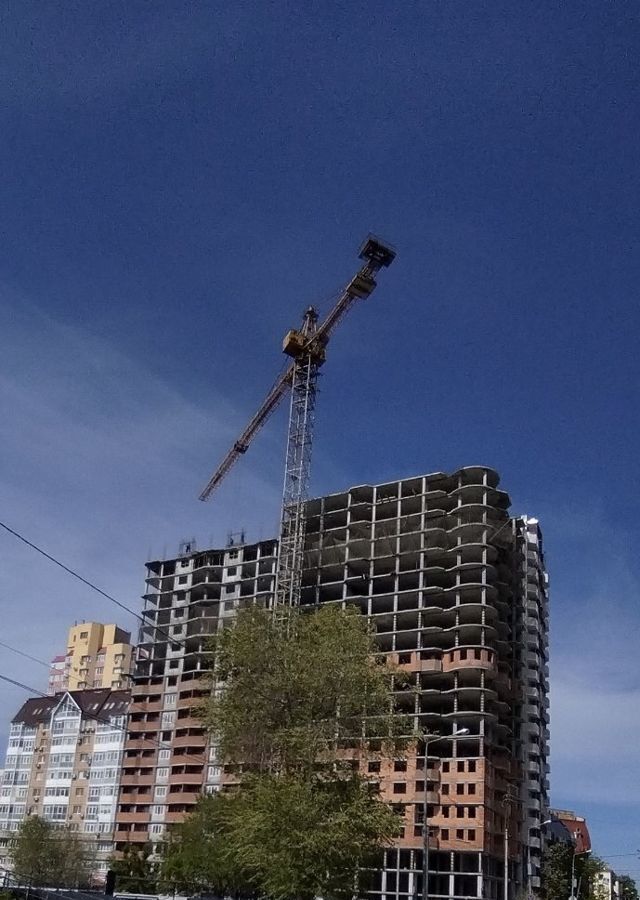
(101, 463)
(595, 683)
(596, 735)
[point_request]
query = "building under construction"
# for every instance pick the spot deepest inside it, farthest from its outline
(168, 761)
(457, 591)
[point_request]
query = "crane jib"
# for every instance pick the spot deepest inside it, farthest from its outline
(306, 347)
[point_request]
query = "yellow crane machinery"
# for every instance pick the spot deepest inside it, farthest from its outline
(307, 348)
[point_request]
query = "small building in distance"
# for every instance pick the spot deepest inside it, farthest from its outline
(607, 885)
(576, 826)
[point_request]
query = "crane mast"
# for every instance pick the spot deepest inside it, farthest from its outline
(306, 347)
(298, 459)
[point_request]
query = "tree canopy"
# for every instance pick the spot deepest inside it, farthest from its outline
(295, 709)
(134, 871)
(43, 854)
(556, 873)
(628, 888)
(288, 699)
(196, 853)
(279, 837)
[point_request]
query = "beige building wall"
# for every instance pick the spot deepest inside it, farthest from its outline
(97, 656)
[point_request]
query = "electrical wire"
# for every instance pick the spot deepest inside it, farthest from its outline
(195, 757)
(47, 665)
(67, 569)
(94, 587)
(35, 659)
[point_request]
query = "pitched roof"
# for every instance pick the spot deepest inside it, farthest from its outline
(35, 711)
(95, 703)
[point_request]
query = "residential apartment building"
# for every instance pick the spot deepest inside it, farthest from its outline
(457, 592)
(63, 763)
(97, 656)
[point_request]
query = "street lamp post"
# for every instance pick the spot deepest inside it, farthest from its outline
(575, 853)
(529, 872)
(428, 740)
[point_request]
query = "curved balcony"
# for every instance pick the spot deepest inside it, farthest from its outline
(471, 718)
(477, 475)
(412, 661)
(468, 658)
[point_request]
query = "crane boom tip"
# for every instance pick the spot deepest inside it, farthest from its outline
(377, 251)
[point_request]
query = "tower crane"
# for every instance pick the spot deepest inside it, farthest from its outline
(307, 348)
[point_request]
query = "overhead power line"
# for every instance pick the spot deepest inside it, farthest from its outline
(35, 659)
(94, 587)
(70, 571)
(48, 665)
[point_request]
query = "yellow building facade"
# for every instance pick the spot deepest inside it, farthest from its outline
(97, 656)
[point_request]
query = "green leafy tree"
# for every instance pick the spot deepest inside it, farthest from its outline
(134, 870)
(45, 854)
(302, 702)
(556, 873)
(302, 838)
(278, 836)
(195, 853)
(296, 695)
(628, 888)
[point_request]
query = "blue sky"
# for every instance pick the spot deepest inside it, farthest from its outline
(181, 179)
